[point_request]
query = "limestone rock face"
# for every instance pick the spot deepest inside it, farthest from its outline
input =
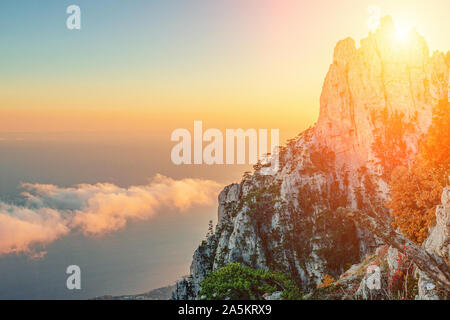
(288, 221)
(274, 296)
(437, 242)
(284, 222)
(228, 195)
(383, 77)
(439, 238)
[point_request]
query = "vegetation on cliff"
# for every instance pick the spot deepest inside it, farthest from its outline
(237, 282)
(416, 190)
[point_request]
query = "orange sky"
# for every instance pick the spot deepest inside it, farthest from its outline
(259, 66)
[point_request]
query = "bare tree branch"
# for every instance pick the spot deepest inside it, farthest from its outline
(433, 265)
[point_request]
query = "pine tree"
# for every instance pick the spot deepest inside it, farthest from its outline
(210, 229)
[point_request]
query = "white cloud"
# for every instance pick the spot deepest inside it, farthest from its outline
(93, 209)
(21, 228)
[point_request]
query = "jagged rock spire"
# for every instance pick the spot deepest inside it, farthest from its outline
(384, 75)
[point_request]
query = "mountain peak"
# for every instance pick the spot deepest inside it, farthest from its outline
(387, 75)
(376, 103)
(386, 24)
(343, 51)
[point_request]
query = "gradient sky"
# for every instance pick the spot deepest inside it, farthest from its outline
(154, 66)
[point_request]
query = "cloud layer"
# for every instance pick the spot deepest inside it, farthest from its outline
(51, 212)
(20, 228)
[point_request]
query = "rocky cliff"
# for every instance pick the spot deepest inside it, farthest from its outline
(376, 103)
(437, 242)
(368, 88)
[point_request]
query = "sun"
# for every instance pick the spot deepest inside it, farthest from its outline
(403, 29)
(402, 33)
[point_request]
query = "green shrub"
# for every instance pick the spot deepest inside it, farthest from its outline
(237, 282)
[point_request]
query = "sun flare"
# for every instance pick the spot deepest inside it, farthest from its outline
(402, 33)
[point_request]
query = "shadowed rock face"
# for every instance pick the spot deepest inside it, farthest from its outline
(376, 101)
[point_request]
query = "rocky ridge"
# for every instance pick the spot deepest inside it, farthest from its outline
(376, 104)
